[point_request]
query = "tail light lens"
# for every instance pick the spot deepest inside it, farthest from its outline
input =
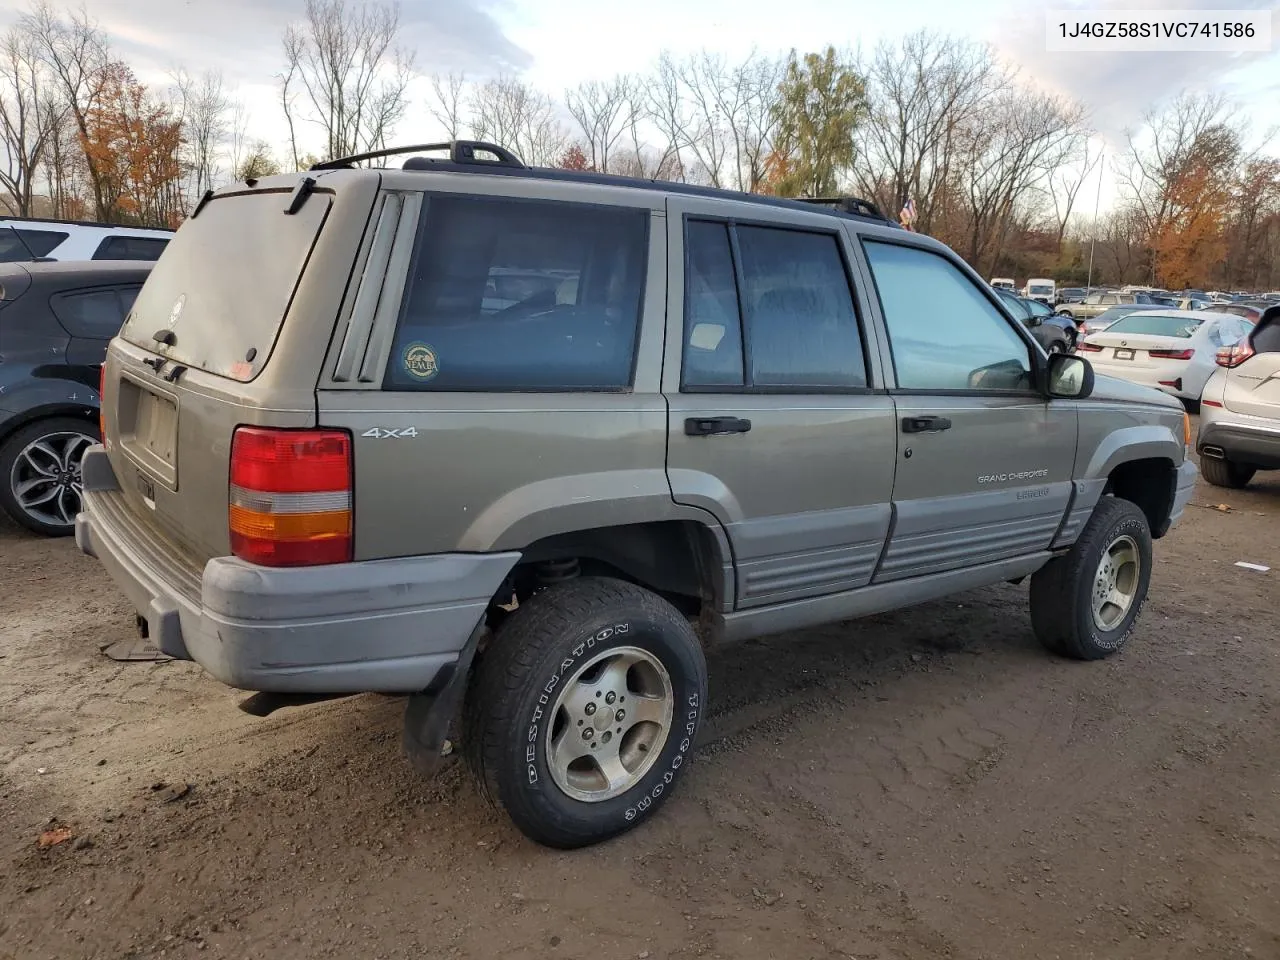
(290, 496)
(1233, 356)
(1088, 347)
(1172, 354)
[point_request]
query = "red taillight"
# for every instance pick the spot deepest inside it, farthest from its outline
(1233, 356)
(1088, 348)
(1172, 354)
(290, 496)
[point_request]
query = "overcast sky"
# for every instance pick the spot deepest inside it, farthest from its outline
(556, 43)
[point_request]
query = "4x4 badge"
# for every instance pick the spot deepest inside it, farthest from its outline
(420, 361)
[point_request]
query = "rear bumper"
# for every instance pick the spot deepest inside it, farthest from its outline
(387, 626)
(1255, 444)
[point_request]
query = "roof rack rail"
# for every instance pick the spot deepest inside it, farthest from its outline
(855, 205)
(460, 151)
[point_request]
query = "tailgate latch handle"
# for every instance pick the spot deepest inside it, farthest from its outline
(173, 375)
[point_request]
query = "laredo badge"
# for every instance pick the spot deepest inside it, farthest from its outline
(419, 361)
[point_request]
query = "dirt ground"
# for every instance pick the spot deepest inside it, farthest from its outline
(918, 785)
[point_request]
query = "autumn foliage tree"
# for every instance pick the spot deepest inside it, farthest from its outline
(574, 159)
(134, 142)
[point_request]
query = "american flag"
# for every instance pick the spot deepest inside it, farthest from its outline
(908, 214)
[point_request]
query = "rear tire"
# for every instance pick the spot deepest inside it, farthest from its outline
(40, 485)
(566, 725)
(1084, 604)
(1224, 473)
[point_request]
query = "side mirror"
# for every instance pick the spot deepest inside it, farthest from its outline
(1034, 320)
(1068, 377)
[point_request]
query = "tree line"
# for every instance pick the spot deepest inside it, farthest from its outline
(992, 166)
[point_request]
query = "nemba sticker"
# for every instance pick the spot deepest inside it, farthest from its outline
(419, 361)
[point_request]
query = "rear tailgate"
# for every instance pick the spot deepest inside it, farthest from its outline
(224, 334)
(1253, 388)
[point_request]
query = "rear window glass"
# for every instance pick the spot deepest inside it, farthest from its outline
(225, 282)
(521, 295)
(130, 248)
(19, 246)
(1156, 325)
(95, 314)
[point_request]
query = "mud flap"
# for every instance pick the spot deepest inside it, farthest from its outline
(431, 716)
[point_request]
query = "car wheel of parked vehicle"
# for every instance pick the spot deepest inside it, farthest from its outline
(40, 473)
(1224, 473)
(1058, 346)
(583, 710)
(1084, 604)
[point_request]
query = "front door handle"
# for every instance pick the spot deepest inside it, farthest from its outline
(925, 424)
(712, 426)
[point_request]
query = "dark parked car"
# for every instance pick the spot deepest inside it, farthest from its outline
(1055, 332)
(1072, 294)
(1250, 311)
(55, 322)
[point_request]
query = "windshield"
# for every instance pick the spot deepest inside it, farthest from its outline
(224, 282)
(1157, 325)
(1040, 289)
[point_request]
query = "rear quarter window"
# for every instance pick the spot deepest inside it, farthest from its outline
(510, 295)
(91, 314)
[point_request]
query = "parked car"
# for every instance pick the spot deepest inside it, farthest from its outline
(1072, 294)
(1247, 311)
(55, 322)
(1098, 303)
(24, 240)
(329, 468)
(1004, 283)
(1057, 334)
(1240, 411)
(1105, 319)
(1173, 351)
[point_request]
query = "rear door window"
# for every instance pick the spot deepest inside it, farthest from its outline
(130, 248)
(507, 294)
(783, 320)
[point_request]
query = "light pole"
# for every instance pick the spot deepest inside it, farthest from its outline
(1097, 202)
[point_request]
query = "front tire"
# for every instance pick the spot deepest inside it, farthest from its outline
(583, 711)
(40, 484)
(1224, 473)
(1084, 604)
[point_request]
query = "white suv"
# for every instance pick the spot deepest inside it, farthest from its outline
(1240, 408)
(23, 240)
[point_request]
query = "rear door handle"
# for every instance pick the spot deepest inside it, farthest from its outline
(925, 424)
(711, 426)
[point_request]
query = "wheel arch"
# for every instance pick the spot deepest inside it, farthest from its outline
(1150, 484)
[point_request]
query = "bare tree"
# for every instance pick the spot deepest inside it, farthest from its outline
(666, 109)
(76, 53)
(1004, 156)
(602, 110)
(449, 103)
(513, 114)
(204, 110)
(239, 136)
(30, 112)
(1065, 182)
(731, 115)
(351, 79)
(922, 90)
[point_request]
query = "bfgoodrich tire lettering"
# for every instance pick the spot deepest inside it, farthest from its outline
(1064, 593)
(512, 705)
